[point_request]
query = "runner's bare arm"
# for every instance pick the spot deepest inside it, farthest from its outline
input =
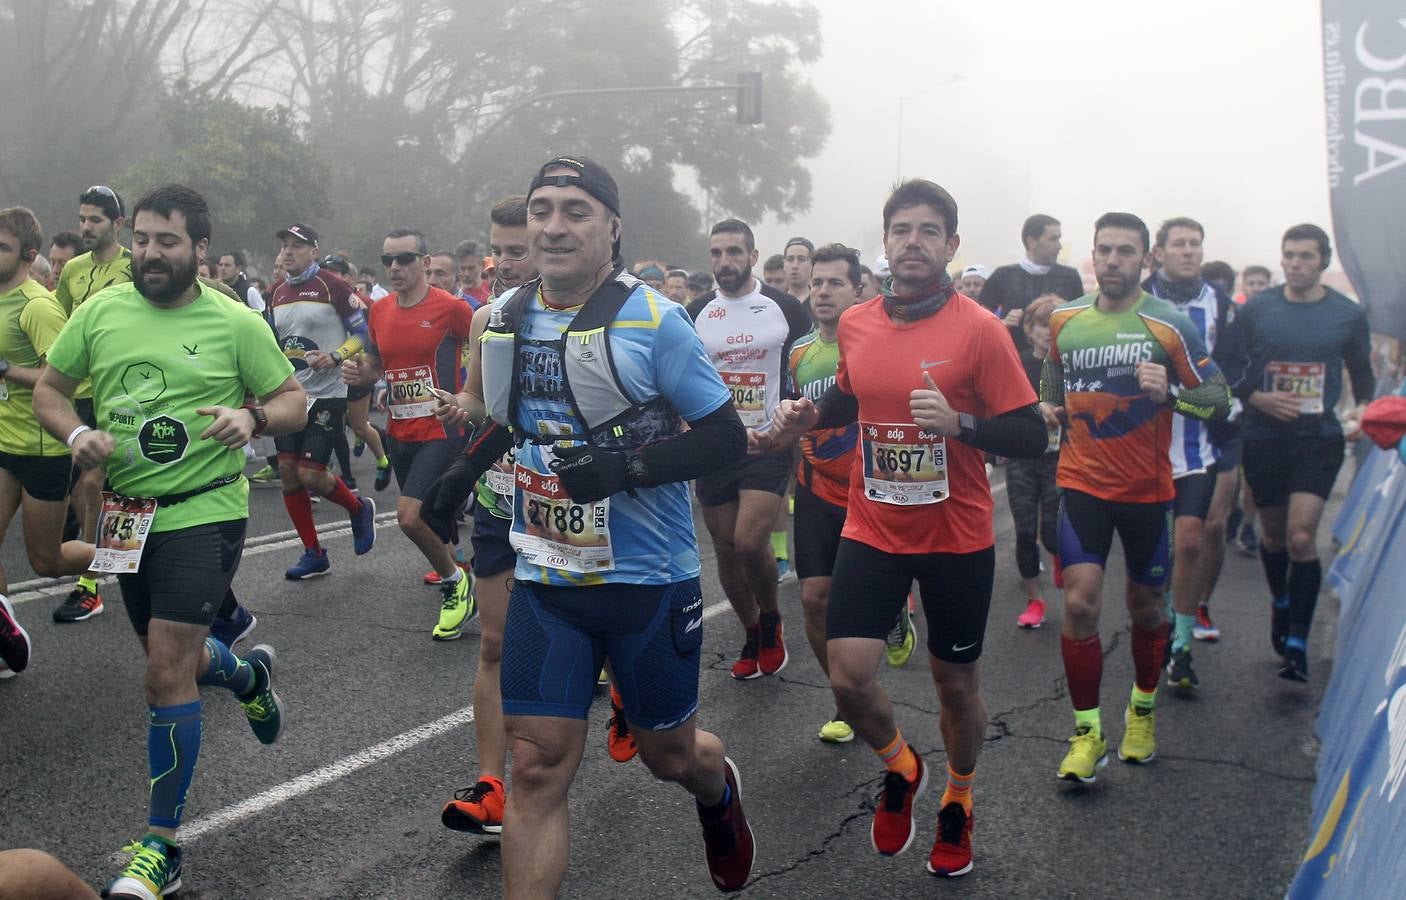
(53, 407)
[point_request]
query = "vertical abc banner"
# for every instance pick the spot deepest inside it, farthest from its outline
(1364, 75)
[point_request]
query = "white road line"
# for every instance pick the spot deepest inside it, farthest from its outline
(340, 769)
(326, 775)
(39, 588)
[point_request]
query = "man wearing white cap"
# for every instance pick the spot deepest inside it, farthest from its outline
(972, 280)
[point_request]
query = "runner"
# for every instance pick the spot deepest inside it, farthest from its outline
(748, 329)
(478, 809)
(822, 475)
(1011, 288)
(1205, 473)
(1030, 483)
(34, 468)
(359, 396)
(796, 261)
(105, 263)
(171, 361)
(607, 559)
(933, 381)
(416, 340)
(312, 312)
(1114, 357)
(1298, 336)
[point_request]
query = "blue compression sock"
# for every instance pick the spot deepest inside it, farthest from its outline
(226, 670)
(172, 747)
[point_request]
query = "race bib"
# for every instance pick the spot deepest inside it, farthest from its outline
(1053, 445)
(1303, 380)
(903, 464)
(410, 393)
(122, 530)
(748, 395)
(551, 530)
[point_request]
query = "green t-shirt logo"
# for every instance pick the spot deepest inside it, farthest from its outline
(144, 382)
(163, 440)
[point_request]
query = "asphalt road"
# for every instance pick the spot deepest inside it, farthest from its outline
(378, 737)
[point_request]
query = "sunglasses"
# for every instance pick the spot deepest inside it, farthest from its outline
(105, 191)
(400, 259)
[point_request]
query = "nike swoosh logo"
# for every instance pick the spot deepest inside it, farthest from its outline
(933, 365)
(956, 649)
(693, 626)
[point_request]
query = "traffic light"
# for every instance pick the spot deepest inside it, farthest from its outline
(749, 98)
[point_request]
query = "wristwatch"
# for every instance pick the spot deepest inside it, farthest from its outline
(966, 426)
(4, 367)
(337, 357)
(261, 419)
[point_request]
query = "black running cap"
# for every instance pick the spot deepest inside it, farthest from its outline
(591, 177)
(300, 232)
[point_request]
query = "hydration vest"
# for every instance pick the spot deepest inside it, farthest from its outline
(594, 391)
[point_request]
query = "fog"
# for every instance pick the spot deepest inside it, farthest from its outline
(1206, 108)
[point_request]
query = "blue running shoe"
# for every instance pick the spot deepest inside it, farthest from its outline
(313, 563)
(234, 629)
(364, 527)
(359, 447)
(784, 572)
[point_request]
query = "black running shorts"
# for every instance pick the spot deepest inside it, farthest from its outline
(318, 439)
(184, 574)
(42, 477)
(770, 472)
(870, 586)
(818, 524)
(1276, 468)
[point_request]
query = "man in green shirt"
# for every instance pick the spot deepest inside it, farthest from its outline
(171, 362)
(34, 468)
(105, 263)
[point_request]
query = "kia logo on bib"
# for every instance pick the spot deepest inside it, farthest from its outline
(557, 561)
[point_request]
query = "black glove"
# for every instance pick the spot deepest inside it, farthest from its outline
(444, 497)
(590, 473)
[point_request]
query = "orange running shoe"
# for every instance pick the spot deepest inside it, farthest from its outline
(477, 809)
(619, 741)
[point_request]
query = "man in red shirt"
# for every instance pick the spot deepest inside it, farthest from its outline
(416, 338)
(934, 382)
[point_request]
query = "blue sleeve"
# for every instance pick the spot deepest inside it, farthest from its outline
(682, 370)
(356, 325)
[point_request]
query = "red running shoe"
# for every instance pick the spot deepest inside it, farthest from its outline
(14, 640)
(892, 831)
(772, 658)
(618, 739)
(727, 840)
(952, 852)
(477, 809)
(1034, 615)
(747, 666)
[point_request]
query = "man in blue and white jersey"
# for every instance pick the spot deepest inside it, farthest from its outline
(1205, 456)
(608, 564)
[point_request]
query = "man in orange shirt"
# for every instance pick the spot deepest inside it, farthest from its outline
(934, 382)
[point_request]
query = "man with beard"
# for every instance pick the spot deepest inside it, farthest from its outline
(171, 362)
(748, 329)
(105, 263)
(416, 341)
(34, 468)
(478, 809)
(595, 374)
(934, 383)
(318, 327)
(1114, 358)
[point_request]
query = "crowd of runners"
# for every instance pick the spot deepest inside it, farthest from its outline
(552, 415)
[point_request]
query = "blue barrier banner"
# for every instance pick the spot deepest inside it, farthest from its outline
(1359, 804)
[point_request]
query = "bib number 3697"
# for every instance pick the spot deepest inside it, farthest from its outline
(904, 465)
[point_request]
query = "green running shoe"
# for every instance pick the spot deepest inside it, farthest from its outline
(458, 607)
(263, 709)
(1088, 752)
(836, 731)
(898, 646)
(1139, 736)
(154, 871)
